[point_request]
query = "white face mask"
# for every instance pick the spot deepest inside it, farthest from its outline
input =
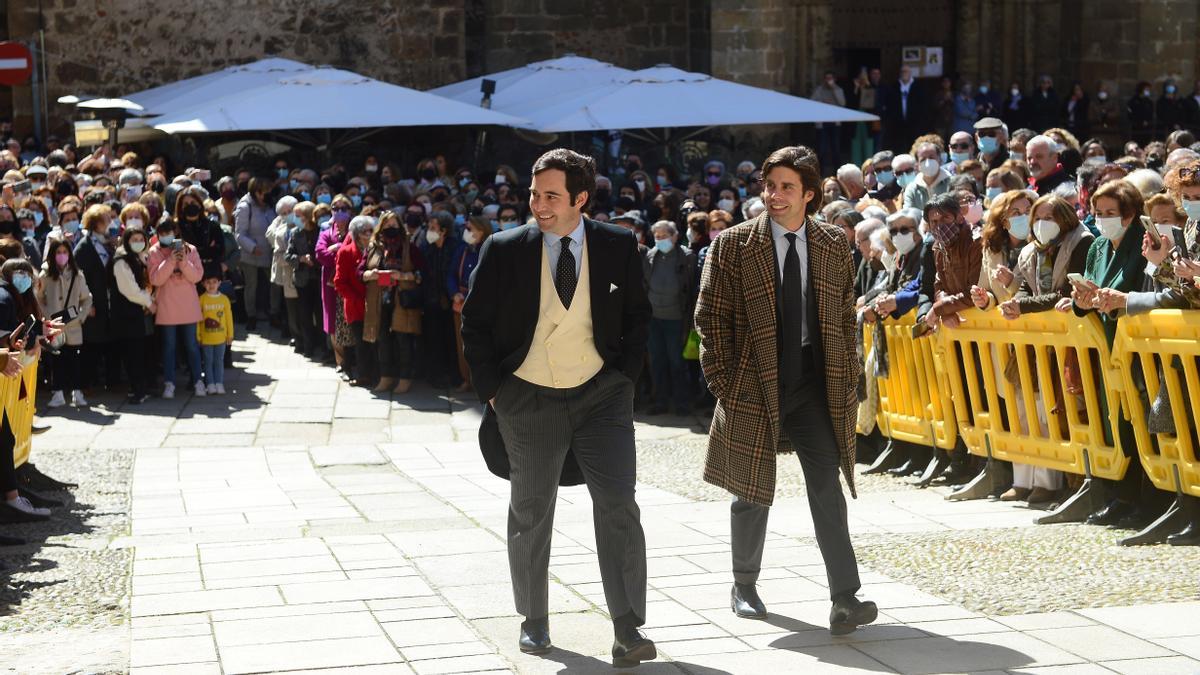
(432, 237)
(1046, 230)
(725, 205)
(1110, 228)
(470, 237)
(500, 179)
(134, 223)
(1165, 229)
(905, 243)
(929, 167)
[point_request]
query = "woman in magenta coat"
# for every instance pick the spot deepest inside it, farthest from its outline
(327, 247)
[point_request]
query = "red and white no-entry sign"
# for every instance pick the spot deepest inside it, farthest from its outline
(16, 63)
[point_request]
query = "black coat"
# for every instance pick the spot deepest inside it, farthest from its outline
(501, 314)
(1042, 110)
(95, 272)
(205, 234)
(127, 319)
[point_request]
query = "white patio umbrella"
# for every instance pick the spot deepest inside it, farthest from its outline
(537, 84)
(666, 97)
(189, 92)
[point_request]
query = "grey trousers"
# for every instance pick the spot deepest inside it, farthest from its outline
(595, 421)
(810, 431)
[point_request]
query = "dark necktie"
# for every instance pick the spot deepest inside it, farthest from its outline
(793, 306)
(564, 277)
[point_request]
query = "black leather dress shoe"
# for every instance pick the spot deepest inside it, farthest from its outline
(1110, 514)
(39, 428)
(631, 647)
(1135, 520)
(535, 637)
(849, 613)
(1188, 536)
(745, 602)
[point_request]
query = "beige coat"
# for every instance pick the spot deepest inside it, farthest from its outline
(54, 295)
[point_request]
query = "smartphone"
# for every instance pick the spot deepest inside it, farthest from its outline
(21, 186)
(177, 245)
(202, 175)
(35, 330)
(18, 333)
(1079, 280)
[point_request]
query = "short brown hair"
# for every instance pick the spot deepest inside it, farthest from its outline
(95, 215)
(580, 170)
(1128, 198)
(803, 161)
(1161, 199)
(1009, 179)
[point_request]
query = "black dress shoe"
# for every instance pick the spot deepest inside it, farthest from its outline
(1135, 520)
(39, 428)
(745, 602)
(849, 613)
(631, 647)
(1188, 536)
(535, 636)
(1110, 514)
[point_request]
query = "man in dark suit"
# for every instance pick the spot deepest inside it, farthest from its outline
(777, 334)
(554, 330)
(904, 111)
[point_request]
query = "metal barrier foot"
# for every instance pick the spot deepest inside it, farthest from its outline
(992, 481)
(1157, 532)
(1087, 500)
(936, 467)
(889, 457)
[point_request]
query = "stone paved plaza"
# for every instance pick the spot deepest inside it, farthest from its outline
(298, 524)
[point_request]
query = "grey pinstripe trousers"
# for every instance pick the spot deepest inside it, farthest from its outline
(595, 421)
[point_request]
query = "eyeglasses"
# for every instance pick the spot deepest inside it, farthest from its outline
(987, 133)
(905, 172)
(898, 231)
(960, 146)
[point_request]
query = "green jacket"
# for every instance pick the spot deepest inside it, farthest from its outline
(1123, 270)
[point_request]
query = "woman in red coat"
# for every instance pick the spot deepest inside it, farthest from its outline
(352, 292)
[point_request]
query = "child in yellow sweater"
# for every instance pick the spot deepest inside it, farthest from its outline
(214, 331)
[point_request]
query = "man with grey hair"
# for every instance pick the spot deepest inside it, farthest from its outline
(931, 179)
(991, 136)
(886, 187)
(850, 177)
(672, 271)
(1041, 154)
(962, 148)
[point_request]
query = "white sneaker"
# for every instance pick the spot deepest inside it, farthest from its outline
(220, 389)
(169, 390)
(212, 388)
(78, 399)
(22, 504)
(200, 391)
(57, 400)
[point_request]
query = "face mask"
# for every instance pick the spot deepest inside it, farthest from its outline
(508, 224)
(325, 198)
(946, 232)
(661, 180)
(904, 243)
(974, 212)
(294, 184)
(470, 237)
(304, 195)
(341, 217)
(1015, 92)
(1103, 95)
(21, 281)
(641, 184)
(1146, 93)
(885, 177)
(692, 237)
(1111, 227)
(356, 200)
(432, 237)
(500, 179)
(413, 221)
(664, 245)
(1170, 89)
(372, 168)
(988, 145)
(282, 173)
(725, 205)
(428, 208)
(1192, 208)
(62, 259)
(462, 182)
(134, 223)
(1019, 156)
(742, 192)
(983, 88)
(114, 230)
(191, 211)
(428, 174)
(470, 195)
(71, 226)
(1018, 226)
(323, 222)
(38, 218)
(905, 180)
(292, 219)
(959, 157)
(712, 181)
(29, 234)
(1046, 231)
(137, 246)
(460, 219)
(48, 203)
(166, 239)
(994, 192)
(929, 167)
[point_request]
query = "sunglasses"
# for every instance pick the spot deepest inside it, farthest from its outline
(716, 174)
(906, 172)
(342, 209)
(898, 231)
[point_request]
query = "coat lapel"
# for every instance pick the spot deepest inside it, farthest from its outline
(820, 271)
(531, 275)
(596, 270)
(759, 289)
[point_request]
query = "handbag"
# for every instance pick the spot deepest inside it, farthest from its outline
(408, 298)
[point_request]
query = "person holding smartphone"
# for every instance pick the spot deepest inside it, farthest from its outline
(391, 270)
(175, 269)
(64, 290)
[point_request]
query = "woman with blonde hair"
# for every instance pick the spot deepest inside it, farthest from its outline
(391, 270)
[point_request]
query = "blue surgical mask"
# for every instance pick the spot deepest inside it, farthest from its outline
(983, 89)
(994, 192)
(356, 200)
(988, 145)
(959, 157)
(166, 239)
(1192, 208)
(1102, 158)
(495, 224)
(1018, 226)
(305, 195)
(661, 180)
(38, 218)
(462, 182)
(904, 180)
(294, 184)
(509, 224)
(71, 226)
(293, 219)
(114, 230)
(1170, 89)
(460, 219)
(283, 173)
(885, 177)
(22, 281)
(29, 234)
(742, 192)
(664, 245)
(325, 198)
(323, 222)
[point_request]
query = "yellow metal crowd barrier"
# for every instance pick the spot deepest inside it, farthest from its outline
(1166, 346)
(18, 395)
(914, 402)
(1027, 416)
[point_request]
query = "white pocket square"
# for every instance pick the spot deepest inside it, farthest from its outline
(612, 287)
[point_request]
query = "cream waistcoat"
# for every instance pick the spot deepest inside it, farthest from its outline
(563, 352)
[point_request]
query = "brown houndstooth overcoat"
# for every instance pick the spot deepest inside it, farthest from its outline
(735, 316)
